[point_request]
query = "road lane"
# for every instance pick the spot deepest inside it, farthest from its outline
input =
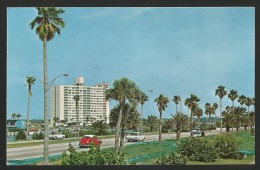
(21, 153)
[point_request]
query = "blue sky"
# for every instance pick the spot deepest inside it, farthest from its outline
(173, 51)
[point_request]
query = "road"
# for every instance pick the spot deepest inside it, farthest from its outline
(22, 153)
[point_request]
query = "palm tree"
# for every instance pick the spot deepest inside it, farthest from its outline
(76, 98)
(194, 104)
(152, 121)
(123, 90)
(30, 81)
(221, 92)
(143, 99)
(48, 24)
(176, 100)
(248, 103)
(13, 116)
(238, 115)
(162, 102)
(241, 100)
(208, 111)
(198, 112)
(252, 119)
(100, 126)
(180, 119)
(188, 104)
(215, 106)
(19, 116)
(233, 96)
(228, 119)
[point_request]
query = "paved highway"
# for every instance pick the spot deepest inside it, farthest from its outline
(21, 153)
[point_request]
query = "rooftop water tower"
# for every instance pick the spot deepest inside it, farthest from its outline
(79, 81)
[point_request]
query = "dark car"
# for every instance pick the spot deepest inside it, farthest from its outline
(86, 140)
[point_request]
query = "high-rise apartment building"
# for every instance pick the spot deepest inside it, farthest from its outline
(92, 102)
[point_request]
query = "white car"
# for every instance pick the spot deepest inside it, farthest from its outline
(196, 131)
(135, 136)
(56, 136)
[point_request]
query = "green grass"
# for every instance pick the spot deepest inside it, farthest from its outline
(147, 151)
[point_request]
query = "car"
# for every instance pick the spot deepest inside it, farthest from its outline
(56, 136)
(86, 140)
(135, 136)
(196, 131)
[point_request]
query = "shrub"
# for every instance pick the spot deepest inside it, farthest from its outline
(227, 145)
(146, 129)
(172, 159)
(35, 136)
(252, 131)
(20, 135)
(91, 157)
(198, 149)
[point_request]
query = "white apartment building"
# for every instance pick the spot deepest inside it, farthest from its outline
(92, 102)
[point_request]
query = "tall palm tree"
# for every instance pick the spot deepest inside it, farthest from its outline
(176, 99)
(188, 104)
(76, 98)
(198, 112)
(215, 106)
(48, 24)
(30, 81)
(194, 104)
(123, 90)
(233, 96)
(180, 119)
(162, 102)
(208, 111)
(221, 92)
(152, 121)
(143, 99)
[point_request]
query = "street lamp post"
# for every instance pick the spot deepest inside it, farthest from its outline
(47, 86)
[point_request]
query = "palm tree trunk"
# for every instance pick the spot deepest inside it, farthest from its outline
(28, 116)
(118, 130)
(141, 127)
(188, 120)
(220, 104)
(160, 127)
(122, 136)
(178, 132)
(191, 121)
(46, 117)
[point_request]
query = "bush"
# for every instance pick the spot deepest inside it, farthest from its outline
(91, 157)
(20, 135)
(146, 129)
(37, 136)
(227, 146)
(198, 149)
(172, 159)
(252, 131)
